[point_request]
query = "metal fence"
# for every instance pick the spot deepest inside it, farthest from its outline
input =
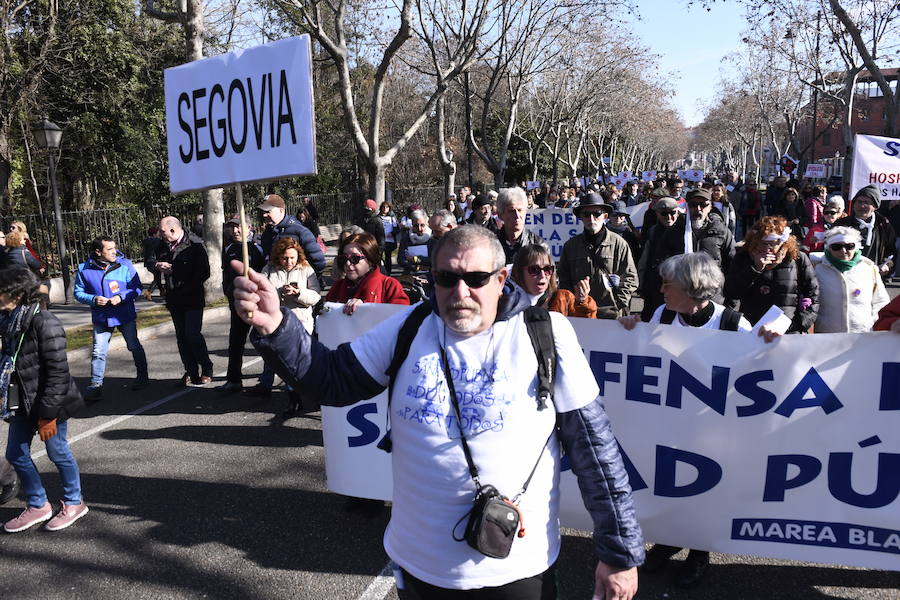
(128, 225)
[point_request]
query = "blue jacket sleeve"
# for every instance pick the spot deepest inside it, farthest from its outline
(81, 295)
(331, 377)
(593, 452)
(133, 287)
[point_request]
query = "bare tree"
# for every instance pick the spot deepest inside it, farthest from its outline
(450, 31)
(189, 14)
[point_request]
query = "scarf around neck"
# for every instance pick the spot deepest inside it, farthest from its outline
(844, 265)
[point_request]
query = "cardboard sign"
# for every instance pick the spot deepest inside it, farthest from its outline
(242, 116)
(815, 171)
(876, 161)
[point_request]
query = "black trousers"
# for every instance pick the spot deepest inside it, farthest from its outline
(191, 343)
(539, 587)
(237, 339)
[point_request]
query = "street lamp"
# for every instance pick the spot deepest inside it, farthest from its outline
(48, 135)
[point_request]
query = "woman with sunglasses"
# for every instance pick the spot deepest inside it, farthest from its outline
(534, 271)
(815, 237)
(850, 284)
(769, 270)
(362, 281)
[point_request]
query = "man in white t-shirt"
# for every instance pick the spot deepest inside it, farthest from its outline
(475, 335)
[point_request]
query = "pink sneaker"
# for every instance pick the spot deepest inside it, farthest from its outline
(29, 517)
(68, 515)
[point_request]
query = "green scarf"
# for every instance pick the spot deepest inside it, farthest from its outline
(844, 265)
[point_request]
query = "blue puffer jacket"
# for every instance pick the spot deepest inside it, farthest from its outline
(291, 227)
(337, 378)
(116, 279)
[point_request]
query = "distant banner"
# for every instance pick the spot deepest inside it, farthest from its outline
(786, 450)
(648, 175)
(694, 175)
(242, 116)
(815, 172)
(557, 225)
(876, 161)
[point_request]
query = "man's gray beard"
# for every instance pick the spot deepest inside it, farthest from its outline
(698, 223)
(464, 324)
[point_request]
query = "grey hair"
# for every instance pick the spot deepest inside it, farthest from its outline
(352, 230)
(418, 214)
(696, 273)
(444, 217)
(847, 231)
(509, 195)
(470, 236)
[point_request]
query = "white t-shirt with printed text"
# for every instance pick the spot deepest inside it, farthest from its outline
(495, 377)
(713, 323)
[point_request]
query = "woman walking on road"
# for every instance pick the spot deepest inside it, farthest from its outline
(37, 395)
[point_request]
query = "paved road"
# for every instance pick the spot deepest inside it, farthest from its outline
(198, 495)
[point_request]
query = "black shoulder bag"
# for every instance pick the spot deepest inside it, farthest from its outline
(494, 519)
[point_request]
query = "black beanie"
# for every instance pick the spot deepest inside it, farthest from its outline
(870, 192)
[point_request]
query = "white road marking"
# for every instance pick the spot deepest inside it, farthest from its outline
(381, 586)
(143, 409)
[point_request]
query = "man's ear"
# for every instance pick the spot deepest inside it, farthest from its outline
(503, 274)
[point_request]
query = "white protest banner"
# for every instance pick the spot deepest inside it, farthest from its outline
(815, 171)
(694, 175)
(532, 185)
(555, 225)
(241, 116)
(636, 213)
(618, 181)
(788, 163)
(876, 161)
(786, 450)
(648, 175)
(625, 174)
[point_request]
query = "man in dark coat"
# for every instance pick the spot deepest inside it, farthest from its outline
(280, 224)
(708, 231)
(878, 237)
(653, 254)
(512, 204)
(237, 334)
(184, 264)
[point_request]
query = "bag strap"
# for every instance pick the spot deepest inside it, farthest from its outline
(667, 317)
(473, 470)
(540, 330)
(405, 337)
(731, 320)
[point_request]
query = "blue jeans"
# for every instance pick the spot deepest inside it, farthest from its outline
(102, 335)
(18, 452)
(191, 343)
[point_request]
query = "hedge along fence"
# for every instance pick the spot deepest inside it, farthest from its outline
(128, 225)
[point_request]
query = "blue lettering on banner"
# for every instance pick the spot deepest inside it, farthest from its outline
(890, 386)
(892, 149)
(817, 533)
(709, 473)
(369, 432)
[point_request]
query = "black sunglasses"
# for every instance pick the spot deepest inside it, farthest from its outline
(698, 204)
(830, 212)
(535, 270)
(668, 213)
(473, 279)
(353, 259)
(839, 247)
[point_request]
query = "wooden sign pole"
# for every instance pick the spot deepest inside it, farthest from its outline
(239, 196)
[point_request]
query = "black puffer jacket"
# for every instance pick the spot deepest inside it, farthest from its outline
(42, 371)
(782, 286)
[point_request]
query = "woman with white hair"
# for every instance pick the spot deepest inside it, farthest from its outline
(689, 283)
(850, 288)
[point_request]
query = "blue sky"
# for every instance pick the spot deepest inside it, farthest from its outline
(691, 43)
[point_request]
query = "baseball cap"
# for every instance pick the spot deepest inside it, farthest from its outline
(272, 201)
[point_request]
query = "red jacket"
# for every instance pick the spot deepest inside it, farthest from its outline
(374, 287)
(887, 315)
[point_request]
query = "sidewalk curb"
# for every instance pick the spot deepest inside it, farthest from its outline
(118, 342)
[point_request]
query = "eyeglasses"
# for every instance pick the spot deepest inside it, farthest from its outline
(668, 213)
(839, 247)
(700, 205)
(353, 259)
(592, 214)
(830, 212)
(473, 279)
(536, 270)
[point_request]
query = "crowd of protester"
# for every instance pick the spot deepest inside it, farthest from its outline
(712, 254)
